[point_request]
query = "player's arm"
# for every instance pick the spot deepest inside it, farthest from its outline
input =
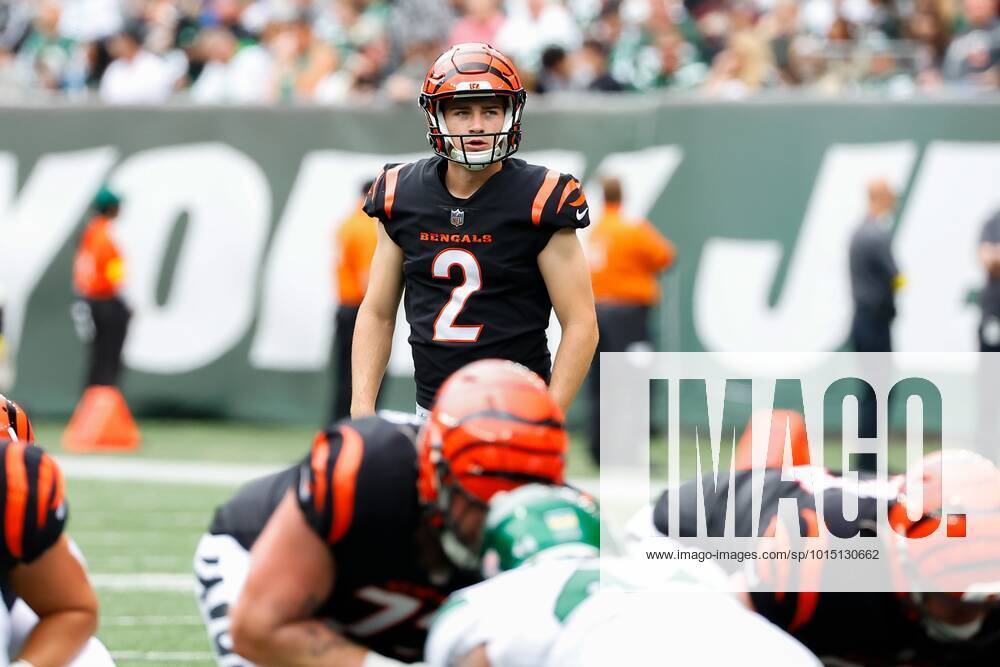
(375, 324)
(567, 278)
(291, 574)
(56, 588)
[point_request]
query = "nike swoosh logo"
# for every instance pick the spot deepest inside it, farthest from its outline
(580, 214)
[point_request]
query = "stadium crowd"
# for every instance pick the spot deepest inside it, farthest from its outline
(338, 51)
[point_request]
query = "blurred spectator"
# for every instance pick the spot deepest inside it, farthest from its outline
(883, 73)
(301, 60)
(46, 57)
(744, 67)
(136, 76)
(931, 32)
(973, 58)
(91, 20)
(481, 22)
(676, 65)
(534, 25)
(781, 27)
(403, 85)
(555, 73)
(231, 77)
(591, 69)
(335, 51)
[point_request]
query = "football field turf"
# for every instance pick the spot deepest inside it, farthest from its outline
(138, 517)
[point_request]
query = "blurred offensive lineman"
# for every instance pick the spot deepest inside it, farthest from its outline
(485, 244)
(37, 563)
(370, 534)
(39, 605)
(556, 604)
(876, 628)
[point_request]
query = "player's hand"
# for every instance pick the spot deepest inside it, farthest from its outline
(359, 411)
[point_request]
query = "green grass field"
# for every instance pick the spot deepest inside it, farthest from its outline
(139, 534)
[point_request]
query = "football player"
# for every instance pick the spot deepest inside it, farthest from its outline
(485, 244)
(37, 563)
(14, 422)
(355, 548)
(20, 619)
(960, 628)
(557, 605)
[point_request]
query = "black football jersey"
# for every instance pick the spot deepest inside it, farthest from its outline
(473, 289)
(244, 516)
(864, 628)
(34, 507)
(358, 490)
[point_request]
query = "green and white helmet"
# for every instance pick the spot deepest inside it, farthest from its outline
(535, 518)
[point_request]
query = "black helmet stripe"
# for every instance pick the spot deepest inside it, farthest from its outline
(12, 418)
(489, 69)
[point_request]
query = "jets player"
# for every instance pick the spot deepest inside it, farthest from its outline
(957, 628)
(557, 605)
(354, 549)
(485, 244)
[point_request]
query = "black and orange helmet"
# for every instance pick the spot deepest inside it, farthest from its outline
(14, 422)
(494, 427)
(473, 69)
(961, 558)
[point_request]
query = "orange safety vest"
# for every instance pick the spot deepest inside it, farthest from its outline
(98, 269)
(625, 256)
(355, 246)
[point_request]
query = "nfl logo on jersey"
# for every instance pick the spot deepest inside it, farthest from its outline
(457, 217)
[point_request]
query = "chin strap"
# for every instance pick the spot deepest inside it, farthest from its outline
(946, 632)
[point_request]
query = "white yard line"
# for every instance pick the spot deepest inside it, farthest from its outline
(162, 656)
(132, 621)
(162, 471)
(159, 582)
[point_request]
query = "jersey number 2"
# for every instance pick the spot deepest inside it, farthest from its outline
(445, 329)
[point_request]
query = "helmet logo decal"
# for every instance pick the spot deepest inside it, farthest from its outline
(457, 217)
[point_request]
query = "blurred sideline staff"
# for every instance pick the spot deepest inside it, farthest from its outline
(988, 435)
(875, 279)
(354, 247)
(100, 314)
(625, 254)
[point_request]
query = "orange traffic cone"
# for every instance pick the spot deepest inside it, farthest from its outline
(101, 422)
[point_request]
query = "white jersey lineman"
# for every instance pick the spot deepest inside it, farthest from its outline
(559, 613)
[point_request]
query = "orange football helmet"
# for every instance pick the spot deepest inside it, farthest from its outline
(472, 69)
(964, 558)
(494, 427)
(798, 439)
(14, 422)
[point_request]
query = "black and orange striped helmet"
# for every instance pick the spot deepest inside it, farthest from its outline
(473, 69)
(14, 422)
(494, 427)
(962, 557)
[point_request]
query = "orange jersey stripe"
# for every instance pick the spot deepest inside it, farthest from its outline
(46, 478)
(571, 185)
(320, 458)
(17, 498)
(345, 479)
(544, 192)
(810, 576)
(391, 177)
